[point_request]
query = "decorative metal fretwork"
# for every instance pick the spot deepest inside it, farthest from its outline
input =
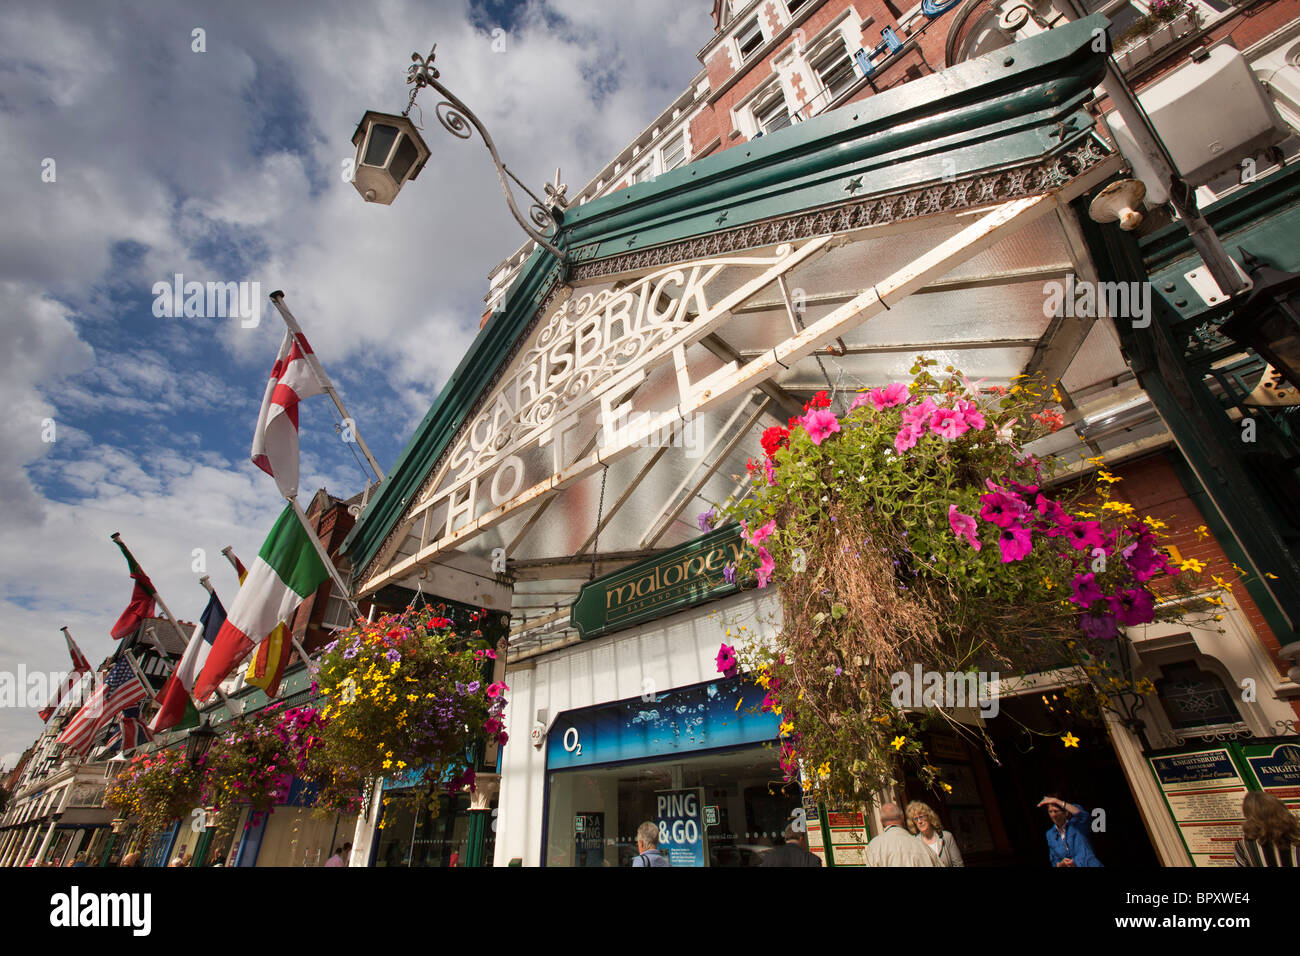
(1014, 182)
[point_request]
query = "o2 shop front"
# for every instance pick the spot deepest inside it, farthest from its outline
(636, 725)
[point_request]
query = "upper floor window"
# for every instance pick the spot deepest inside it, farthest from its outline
(642, 175)
(674, 152)
(772, 114)
(1195, 698)
(750, 38)
(835, 68)
(794, 5)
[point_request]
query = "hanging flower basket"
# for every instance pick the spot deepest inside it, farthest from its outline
(914, 535)
(408, 696)
(155, 790)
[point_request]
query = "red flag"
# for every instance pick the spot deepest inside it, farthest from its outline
(143, 598)
(80, 666)
(275, 439)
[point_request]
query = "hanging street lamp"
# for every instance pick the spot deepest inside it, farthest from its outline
(391, 152)
(199, 742)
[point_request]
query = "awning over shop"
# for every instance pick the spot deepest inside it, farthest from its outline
(617, 398)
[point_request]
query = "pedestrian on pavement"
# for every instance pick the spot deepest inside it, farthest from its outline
(894, 846)
(793, 852)
(925, 824)
(1270, 834)
(647, 845)
(1067, 838)
(337, 858)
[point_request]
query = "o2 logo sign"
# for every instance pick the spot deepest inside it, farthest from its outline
(571, 742)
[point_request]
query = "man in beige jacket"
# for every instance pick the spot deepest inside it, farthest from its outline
(895, 846)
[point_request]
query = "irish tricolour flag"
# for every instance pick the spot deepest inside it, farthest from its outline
(287, 570)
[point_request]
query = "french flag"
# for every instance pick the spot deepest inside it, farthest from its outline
(175, 694)
(275, 441)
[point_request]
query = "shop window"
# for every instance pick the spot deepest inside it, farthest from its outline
(593, 813)
(674, 153)
(835, 69)
(411, 837)
(749, 39)
(772, 114)
(1195, 698)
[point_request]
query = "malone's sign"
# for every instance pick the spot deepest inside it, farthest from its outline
(677, 579)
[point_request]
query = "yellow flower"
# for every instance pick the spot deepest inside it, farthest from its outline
(1154, 524)
(1106, 476)
(786, 727)
(1084, 514)
(776, 709)
(1226, 585)
(1096, 460)
(1214, 600)
(387, 764)
(824, 770)
(1123, 507)
(1270, 575)
(1201, 532)
(1048, 582)
(947, 787)
(898, 742)
(401, 764)
(1191, 564)
(1070, 740)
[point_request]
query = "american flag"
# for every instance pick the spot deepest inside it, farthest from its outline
(129, 733)
(120, 689)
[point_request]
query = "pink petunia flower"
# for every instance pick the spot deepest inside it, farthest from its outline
(919, 414)
(1086, 590)
(726, 661)
(906, 438)
(948, 424)
(820, 424)
(1002, 509)
(1015, 542)
(1133, 606)
(895, 393)
(963, 526)
(759, 534)
(765, 567)
(971, 412)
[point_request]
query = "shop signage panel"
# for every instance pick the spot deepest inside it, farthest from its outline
(669, 582)
(715, 714)
(1203, 789)
(679, 814)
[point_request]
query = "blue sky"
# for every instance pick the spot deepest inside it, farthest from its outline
(225, 165)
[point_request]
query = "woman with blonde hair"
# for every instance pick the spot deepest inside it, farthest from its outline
(925, 824)
(1270, 833)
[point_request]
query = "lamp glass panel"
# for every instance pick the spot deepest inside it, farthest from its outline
(403, 159)
(381, 142)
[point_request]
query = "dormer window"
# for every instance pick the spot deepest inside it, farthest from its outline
(749, 39)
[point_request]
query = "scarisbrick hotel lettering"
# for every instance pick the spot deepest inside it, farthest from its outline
(675, 580)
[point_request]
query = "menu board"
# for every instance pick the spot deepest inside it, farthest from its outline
(1203, 789)
(848, 837)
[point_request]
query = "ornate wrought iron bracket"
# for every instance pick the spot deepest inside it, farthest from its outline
(457, 119)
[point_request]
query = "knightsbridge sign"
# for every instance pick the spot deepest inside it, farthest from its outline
(677, 579)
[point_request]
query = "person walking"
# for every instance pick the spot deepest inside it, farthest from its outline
(1067, 838)
(924, 823)
(337, 858)
(793, 852)
(894, 846)
(1270, 834)
(647, 845)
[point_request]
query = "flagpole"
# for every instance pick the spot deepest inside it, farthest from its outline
(323, 555)
(63, 692)
(229, 552)
(277, 298)
(207, 583)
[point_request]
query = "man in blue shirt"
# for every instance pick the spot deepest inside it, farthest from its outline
(1067, 839)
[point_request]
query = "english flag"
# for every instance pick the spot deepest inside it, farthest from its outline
(175, 695)
(286, 571)
(119, 690)
(80, 667)
(275, 441)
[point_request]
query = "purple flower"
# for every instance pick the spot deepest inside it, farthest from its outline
(1145, 561)
(392, 655)
(1099, 626)
(963, 526)
(726, 661)
(1085, 590)
(1133, 606)
(1084, 535)
(1002, 509)
(705, 519)
(351, 652)
(1015, 543)
(729, 574)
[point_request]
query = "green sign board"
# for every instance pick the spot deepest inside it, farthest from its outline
(677, 579)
